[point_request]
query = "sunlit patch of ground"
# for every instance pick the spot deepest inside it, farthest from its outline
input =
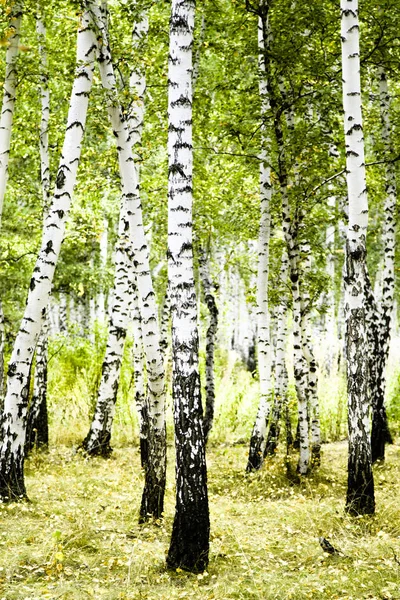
(79, 537)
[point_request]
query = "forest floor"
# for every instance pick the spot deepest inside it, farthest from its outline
(79, 538)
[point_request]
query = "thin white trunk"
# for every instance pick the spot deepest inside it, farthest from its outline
(2, 345)
(9, 93)
(139, 369)
(360, 490)
(15, 406)
(280, 363)
(210, 341)
(309, 355)
(380, 432)
(101, 301)
(45, 114)
(258, 437)
(331, 336)
(37, 430)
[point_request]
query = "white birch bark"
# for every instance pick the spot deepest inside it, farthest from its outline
(360, 489)
(331, 336)
(258, 437)
(101, 300)
(290, 233)
(63, 312)
(309, 354)
(301, 371)
(189, 545)
(153, 495)
(141, 400)
(2, 345)
(9, 94)
(45, 114)
(210, 341)
(13, 429)
(37, 429)
(380, 432)
(280, 365)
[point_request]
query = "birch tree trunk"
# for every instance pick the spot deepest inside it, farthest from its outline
(210, 342)
(360, 485)
(380, 432)
(101, 301)
(9, 93)
(258, 436)
(141, 399)
(309, 354)
(37, 427)
(2, 345)
(155, 475)
(280, 367)
(45, 115)
(12, 485)
(37, 430)
(290, 234)
(189, 545)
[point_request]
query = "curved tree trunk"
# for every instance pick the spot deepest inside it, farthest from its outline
(360, 485)
(189, 545)
(155, 475)
(12, 485)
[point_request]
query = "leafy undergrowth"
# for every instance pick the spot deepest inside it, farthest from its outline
(79, 537)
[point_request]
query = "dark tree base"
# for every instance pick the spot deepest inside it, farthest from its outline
(100, 447)
(154, 449)
(316, 455)
(12, 483)
(37, 430)
(380, 435)
(360, 504)
(360, 498)
(144, 452)
(189, 547)
(256, 457)
(152, 505)
(272, 440)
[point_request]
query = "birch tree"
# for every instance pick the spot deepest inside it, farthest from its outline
(258, 437)
(12, 484)
(9, 94)
(210, 341)
(189, 545)
(360, 485)
(37, 430)
(379, 432)
(155, 473)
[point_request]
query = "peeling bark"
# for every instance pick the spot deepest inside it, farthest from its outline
(210, 342)
(189, 546)
(380, 431)
(9, 95)
(258, 436)
(360, 484)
